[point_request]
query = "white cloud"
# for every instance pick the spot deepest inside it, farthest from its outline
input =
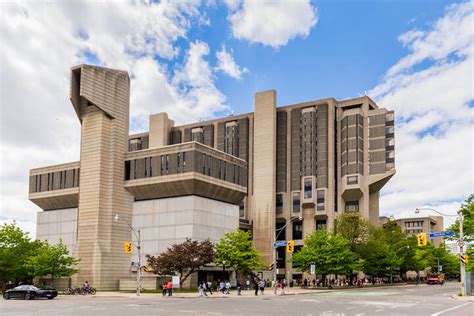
(227, 64)
(40, 42)
(435, 139)
(271, 22)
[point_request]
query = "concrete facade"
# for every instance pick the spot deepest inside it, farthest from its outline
(415, 225)
(313, 160)
(57, 225)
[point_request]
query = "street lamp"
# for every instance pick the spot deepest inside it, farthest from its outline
(277, 234)
(460, 240)
(137, 233)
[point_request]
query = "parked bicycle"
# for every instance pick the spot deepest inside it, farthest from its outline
(75, 290)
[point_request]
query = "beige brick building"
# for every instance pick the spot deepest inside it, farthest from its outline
(262, 170)
(415, 225)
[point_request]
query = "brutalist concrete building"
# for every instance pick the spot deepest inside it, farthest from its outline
(260, 171)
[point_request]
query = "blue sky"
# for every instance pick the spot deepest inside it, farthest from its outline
(196, 59)
(346, 53)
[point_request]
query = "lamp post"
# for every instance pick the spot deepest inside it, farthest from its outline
(461, 239)
(277, 234)
(137, 233)
(223, 269)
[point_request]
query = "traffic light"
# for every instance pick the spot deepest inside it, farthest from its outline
(128, 246)
(290, 246)
(270, 266)
(464, 258)
(421, 239)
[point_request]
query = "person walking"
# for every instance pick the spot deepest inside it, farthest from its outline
(221, 287)
(261, 286)
(163, 289)
(255, 286)
(169, 286)
(209, 287)
(283, 286)
(227, 287)
(204, 287)
(239, 288)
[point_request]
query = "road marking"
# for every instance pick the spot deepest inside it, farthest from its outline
(213, 313)
(378, 310)
(186, 311)
(361, 314)
(450, 309)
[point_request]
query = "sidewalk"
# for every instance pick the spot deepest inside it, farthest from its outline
(245, 293)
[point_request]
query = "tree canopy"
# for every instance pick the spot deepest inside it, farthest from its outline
(467, 211)
(184, 258)
(238, 252)
(53, 261)
(329, 253)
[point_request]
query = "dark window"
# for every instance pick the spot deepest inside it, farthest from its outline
(127, 172)
(280, 232)
(308, 188)
(281, 252)
(242, 209)
(298, 230)
(352, 206)
(320, 224)
(167, 163)
(279, 204)
(296, 202)
(184, 161)
(320, 203)
(179, 161)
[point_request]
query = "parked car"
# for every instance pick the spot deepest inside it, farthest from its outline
(28, 292)
(433, 280)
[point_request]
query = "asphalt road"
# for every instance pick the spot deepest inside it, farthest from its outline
(408, 300)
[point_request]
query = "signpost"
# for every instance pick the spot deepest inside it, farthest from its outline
(313, 269)
(442, 234)
(280, 244)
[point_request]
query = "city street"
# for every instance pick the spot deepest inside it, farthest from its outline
(403, 300)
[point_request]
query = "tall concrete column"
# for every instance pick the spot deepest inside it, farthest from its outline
(101, 99)
(159, 131)
(264, 137)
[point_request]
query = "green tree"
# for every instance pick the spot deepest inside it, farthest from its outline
(184, 258)
(331, 254)
(448, 262)
(352, 228)
(15, 249)
(238, 252)
(467, 210)
(52, 260)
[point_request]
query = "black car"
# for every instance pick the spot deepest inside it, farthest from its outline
(28, 292)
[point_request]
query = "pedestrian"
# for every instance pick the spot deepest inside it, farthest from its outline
(239, 288)
(305, 283)
(248, 284)
(283, 286)
(204, 288)
(261, 286)
(314, 282)
(209, 286)
(163, 289)
(255, 286)
(227, 287)
(169, 286)
(221, 287)
(278, 287)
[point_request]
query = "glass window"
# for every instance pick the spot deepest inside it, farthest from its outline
(389, 129)
(390, 116)
(320, 224)
(352, 180)
(280, 232)
(298, 230)
(279, 204)
(308, 188)
(296, 202)
(242, 209)
(352, 206)
(320, 194)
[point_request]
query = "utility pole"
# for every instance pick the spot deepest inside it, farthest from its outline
(460, 243)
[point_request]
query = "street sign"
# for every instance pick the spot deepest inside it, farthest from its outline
(442, 234)
(280, 243)
(461, 244)
(313, 269)
(440, 268)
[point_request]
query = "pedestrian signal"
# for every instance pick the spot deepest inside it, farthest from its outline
(128, 246)
(464, 258)
(290, 246)
(421, 239)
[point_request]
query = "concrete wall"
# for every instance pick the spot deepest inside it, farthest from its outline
(164, 222)
(58, 225)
